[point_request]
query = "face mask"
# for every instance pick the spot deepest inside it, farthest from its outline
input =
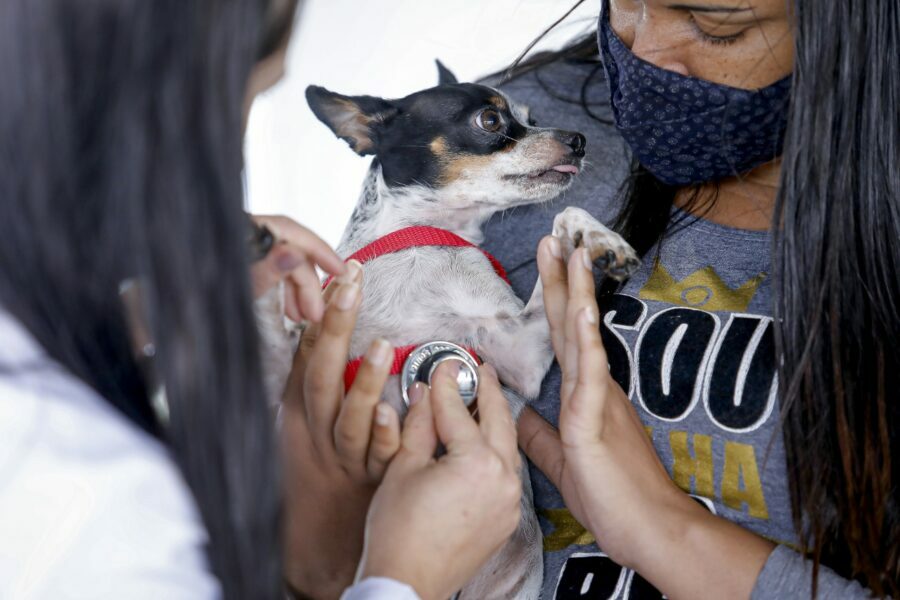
(686, 130)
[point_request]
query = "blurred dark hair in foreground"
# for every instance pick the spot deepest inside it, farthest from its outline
(120, 157)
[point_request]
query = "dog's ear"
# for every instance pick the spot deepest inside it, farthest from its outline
(354, 119)
(445, 75)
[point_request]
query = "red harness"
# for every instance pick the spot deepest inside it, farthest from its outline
(410, 237)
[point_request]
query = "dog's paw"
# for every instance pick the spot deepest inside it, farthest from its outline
(576, 227)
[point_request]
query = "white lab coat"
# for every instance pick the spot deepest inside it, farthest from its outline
(91, 506)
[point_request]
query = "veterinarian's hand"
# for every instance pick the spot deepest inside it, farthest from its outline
(336, 446)
(434, 523)
(293, 259)
(601, 459)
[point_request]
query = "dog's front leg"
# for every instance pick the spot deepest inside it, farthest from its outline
(517, 344)
(277, 342)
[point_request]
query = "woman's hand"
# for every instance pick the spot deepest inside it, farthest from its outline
(606, 468)
(336, 446)
(601, 459)
(293, 259)
(433, 523)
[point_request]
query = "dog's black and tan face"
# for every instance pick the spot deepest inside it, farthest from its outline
(466, 142)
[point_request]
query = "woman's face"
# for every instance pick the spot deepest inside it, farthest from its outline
(740, 43)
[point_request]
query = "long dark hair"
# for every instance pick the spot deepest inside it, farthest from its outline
(120, 157)
(837, 309)
(836, 254)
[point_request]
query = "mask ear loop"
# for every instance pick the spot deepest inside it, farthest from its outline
(131, 294)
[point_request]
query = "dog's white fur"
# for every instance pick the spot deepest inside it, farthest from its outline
(435, 293)
(453, 294)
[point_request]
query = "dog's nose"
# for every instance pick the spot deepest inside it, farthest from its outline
(576, 142)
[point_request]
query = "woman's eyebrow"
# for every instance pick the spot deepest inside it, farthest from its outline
(710, 9)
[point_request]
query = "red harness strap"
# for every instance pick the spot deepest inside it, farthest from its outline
(417, 237)
(402, 239)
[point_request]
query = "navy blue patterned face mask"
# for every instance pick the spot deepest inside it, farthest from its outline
(686, 130)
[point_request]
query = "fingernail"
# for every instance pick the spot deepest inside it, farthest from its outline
(451, 368)
(555, 248)
(590, 315)
(352, 272)
(287, 262)
(383, 414)
(347, 295)
(379, 353)
(586, 260)
(416, 392)
(316, 314)
(490, 370)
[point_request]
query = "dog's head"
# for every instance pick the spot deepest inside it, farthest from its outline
(469, 144)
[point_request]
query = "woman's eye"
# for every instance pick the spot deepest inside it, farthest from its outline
(489, 120)
(709, 38)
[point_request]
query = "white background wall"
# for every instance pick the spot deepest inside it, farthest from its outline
(295, 166)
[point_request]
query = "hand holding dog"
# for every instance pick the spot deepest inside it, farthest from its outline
(601, 459)
(336, 446)
(606, 468)
(294, 259)
(434, 522)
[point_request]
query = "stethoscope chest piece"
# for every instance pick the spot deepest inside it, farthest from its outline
(424, 360)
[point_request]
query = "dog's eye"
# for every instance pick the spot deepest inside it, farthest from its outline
(489, 120)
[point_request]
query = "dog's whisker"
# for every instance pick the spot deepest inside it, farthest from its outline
(510, 138)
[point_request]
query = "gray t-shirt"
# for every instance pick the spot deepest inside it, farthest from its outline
(689, 338)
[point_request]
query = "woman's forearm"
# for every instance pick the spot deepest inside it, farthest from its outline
(695, 554)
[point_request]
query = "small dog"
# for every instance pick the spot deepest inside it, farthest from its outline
(450, 157)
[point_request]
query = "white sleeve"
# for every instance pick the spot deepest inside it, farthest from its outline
(90, 506)
(380, 588)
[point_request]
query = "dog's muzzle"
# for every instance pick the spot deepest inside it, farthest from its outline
(424, 360)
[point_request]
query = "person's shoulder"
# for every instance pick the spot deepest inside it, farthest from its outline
(89, 504)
